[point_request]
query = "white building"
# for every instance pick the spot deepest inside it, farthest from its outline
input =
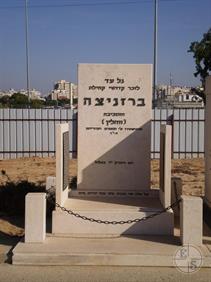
(9, 92)
(178, 97)
(64, 90)
(169, 90)
(33, 94)
(188, 98)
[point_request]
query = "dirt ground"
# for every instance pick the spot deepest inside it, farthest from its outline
(36, 169)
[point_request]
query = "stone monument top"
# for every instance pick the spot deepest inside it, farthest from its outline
(114, 115)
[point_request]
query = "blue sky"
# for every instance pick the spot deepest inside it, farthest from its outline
(119, 32)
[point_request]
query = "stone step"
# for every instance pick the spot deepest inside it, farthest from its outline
(122, 251)
(112, 209)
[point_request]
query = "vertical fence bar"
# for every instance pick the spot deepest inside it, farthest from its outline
(48, 132)
(191, 133)
(23, 147)
(76, 139)
(179, 136)
(66, 120)
(41, 135)
(154, 124)
(9, 134)
(16, 133)
(198, 133)
(35, 132)
(159, 127)
(54, 131)
(173, 133)
(29, 145)
(66, 114)
(185, 132)
(3, 133)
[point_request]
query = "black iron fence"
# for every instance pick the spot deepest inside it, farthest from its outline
(31, 132)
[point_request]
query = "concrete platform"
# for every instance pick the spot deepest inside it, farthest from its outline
(124, 251)
(112, 209)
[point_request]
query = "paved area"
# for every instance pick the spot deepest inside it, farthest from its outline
(127, 250)
(12, 273)
(6, 245)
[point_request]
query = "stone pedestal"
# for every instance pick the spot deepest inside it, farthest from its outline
(35, 218)
(191, 223)
(111, 208)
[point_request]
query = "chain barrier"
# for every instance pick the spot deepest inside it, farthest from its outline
(100, 221)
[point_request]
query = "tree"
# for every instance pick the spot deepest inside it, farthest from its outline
(64, 101)
(202, 54)
(36, 104)
(51, 103)
(18, 100)
(4, 101)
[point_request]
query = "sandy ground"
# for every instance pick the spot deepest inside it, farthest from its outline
(36, 170)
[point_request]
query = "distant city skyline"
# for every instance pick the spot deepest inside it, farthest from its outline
(64, 33)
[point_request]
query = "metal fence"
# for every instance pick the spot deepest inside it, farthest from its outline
(188, 132)
(31, 132)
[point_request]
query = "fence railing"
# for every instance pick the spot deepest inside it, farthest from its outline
(188, 132)
(31, 132)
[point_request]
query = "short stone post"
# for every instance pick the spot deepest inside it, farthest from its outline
(191, 222)
(165, 164)
(35, 218)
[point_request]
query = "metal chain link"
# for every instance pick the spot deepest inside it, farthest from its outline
(100, 221)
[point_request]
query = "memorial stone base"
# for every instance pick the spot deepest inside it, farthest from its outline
(145, 250)
(113, 208)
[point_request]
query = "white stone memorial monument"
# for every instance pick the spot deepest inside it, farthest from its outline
(114, 117)
(114, 127)
(114, 135)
